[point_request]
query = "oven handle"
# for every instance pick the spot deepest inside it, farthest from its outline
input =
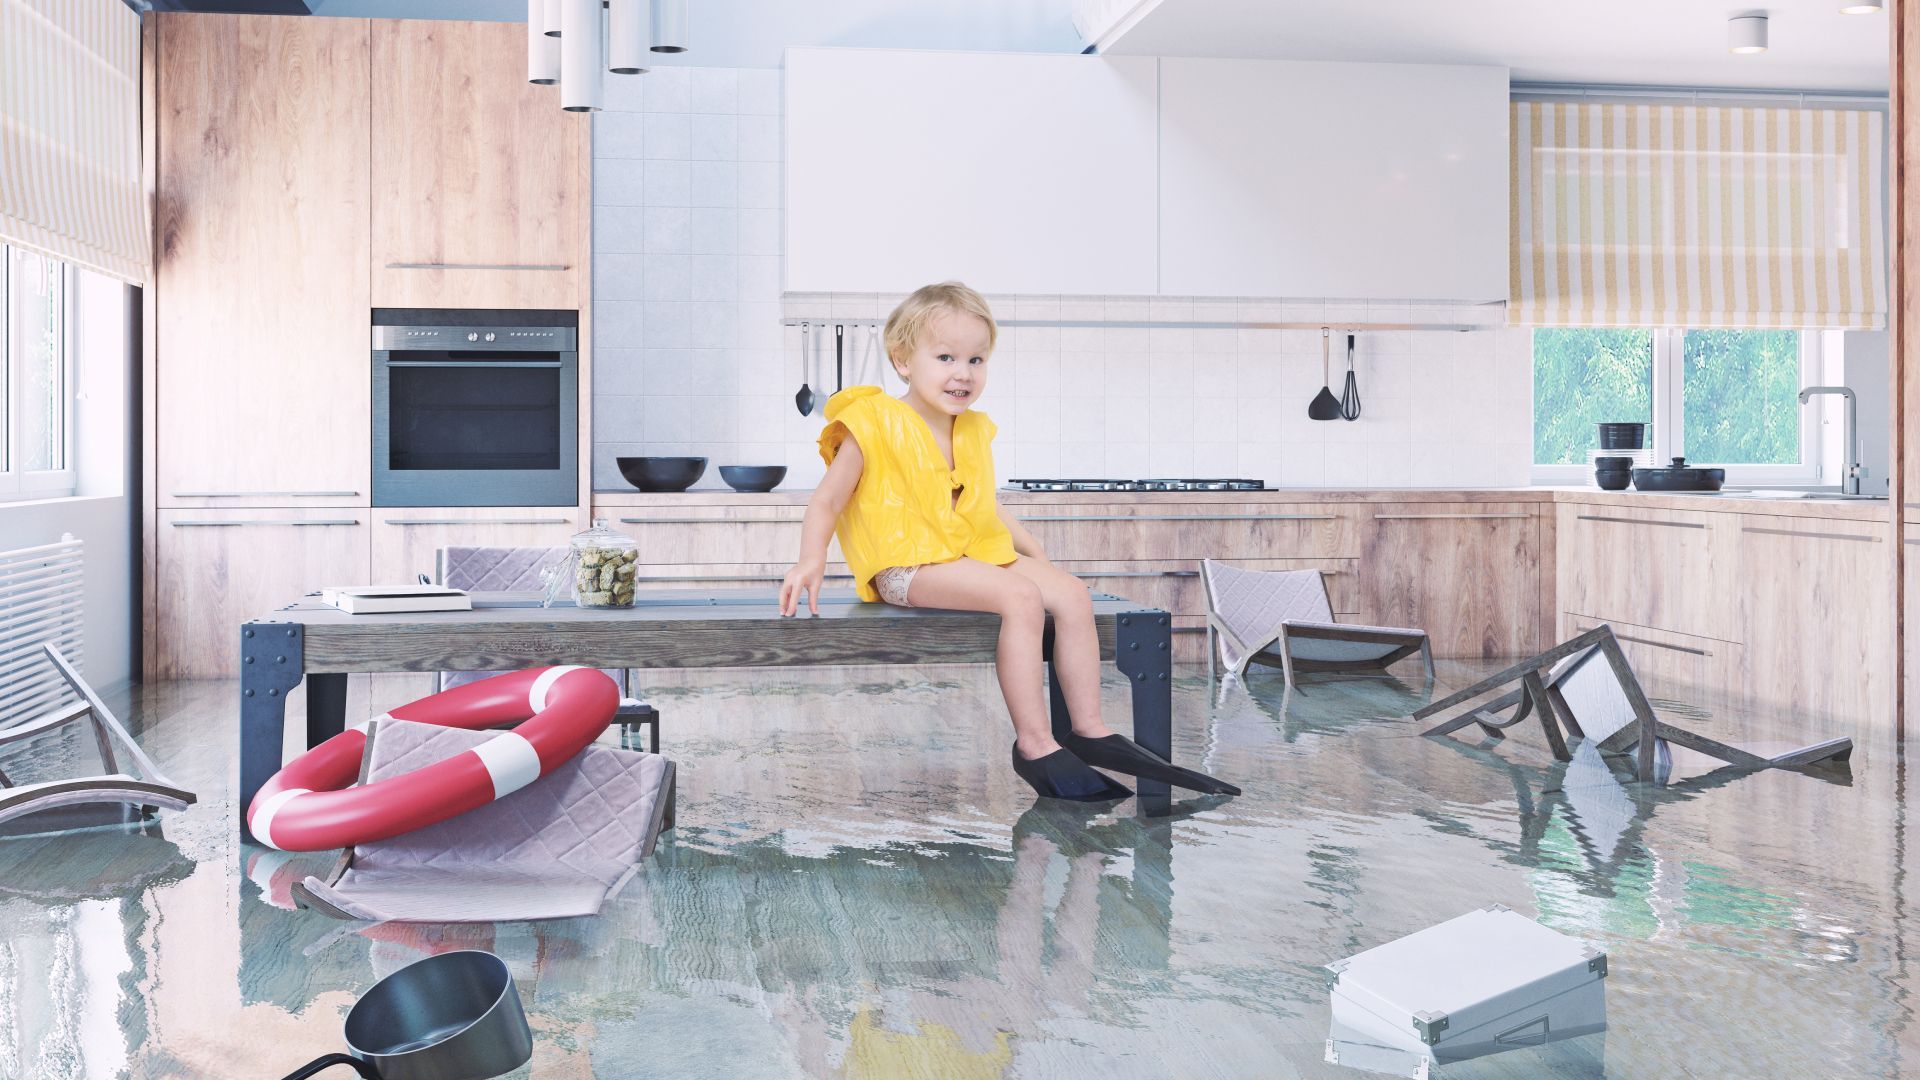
(487, 364)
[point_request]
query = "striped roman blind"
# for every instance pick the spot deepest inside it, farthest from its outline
(1698, 216)
(70, 183)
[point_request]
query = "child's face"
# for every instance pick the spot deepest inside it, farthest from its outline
(948, 367)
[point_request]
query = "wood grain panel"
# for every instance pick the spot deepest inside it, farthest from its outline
(472, 167)
(1669, 569)
(261, 216)
(1468, 576)
(218, 568)
(405, 540)
(675, 541)
(1159, 532)
(1675, 666)
(1176, 586)
(1815, 605)
(1910, 636)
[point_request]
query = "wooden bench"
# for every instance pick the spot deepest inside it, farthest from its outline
(667, 629)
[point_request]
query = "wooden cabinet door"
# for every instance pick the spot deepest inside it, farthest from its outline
(1676, 667)
(405, 540)
(1910, 632)
(1233, 532)
(260, 273)
(478, 176)
(1669, 569)
(219, 568)
(1815, 602)
(1469, 575)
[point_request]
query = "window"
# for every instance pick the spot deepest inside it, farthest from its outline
(1716, 397)
(36, 377)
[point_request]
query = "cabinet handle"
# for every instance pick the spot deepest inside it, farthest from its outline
(1656, 644)
(476, 266)
(1811, 535)
(1136, 573)
(1447, 517)
(262, 521)
(471, 365)
(1638, 521)
(477, 521)
(708, 521)
(1186, 517)
(264, 494)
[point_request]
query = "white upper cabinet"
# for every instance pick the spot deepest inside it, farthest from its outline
(1364, 181)
(1016, 173)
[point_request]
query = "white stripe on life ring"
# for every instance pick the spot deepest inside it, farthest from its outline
(263, 821)
(510, 760)
(537, 697)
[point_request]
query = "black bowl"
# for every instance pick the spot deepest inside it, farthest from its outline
(1612, 479)
(662, 473)
(1610, 463)
(1623, 436)
(753, 477)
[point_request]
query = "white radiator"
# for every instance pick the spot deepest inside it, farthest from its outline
(41, 603)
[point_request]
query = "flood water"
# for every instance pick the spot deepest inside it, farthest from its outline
(859, 887)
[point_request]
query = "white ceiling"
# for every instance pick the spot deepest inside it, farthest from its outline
(1646, 42)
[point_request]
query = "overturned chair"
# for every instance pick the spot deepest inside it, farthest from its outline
(144, 794)
(1284, 619)
(1586, 686)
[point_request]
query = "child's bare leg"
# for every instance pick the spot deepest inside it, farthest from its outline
(1076, 642)
(972, 585)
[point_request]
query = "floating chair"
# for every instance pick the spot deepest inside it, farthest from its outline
(148, 792)
(1589, 689)
(1284, 619)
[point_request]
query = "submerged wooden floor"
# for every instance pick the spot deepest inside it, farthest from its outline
(859, 887)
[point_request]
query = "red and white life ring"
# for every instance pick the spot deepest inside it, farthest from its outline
(311, 805)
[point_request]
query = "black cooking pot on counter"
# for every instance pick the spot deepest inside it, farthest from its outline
(1679, 477)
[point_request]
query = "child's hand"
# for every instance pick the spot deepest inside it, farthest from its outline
(805, 575)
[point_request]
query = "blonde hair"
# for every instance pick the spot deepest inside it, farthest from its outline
(910, 318)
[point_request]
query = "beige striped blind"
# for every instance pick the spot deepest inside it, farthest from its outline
(70, 184)
(1699, 216)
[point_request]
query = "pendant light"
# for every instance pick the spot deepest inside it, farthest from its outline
(627, 37)
(543, 52)
(582, 59)
(1747, 34)
(669, 26)
(550, 17)
(1862, 7)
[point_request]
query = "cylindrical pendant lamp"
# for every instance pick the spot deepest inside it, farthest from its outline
(582, 59)
(543, 52)
(669, 26)
(1747, 34)
(550, 17)
(627, 37)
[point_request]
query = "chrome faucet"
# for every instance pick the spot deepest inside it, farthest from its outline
(1852, 469)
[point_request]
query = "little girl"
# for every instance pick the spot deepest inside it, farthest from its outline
(909, 485)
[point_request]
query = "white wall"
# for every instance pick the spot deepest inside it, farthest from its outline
(690, 357)
(1865, 368)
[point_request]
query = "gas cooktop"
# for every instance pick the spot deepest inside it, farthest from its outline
(1136, 485)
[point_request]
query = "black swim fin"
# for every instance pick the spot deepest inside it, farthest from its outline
(1061, 775)
(1121, 754)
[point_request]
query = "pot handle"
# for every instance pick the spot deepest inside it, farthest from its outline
(320, 1064)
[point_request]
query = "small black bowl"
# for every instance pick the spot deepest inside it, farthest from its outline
(1610, 463)
(662, 473)
(1623, 436)
(1613, 479)
(753, 477)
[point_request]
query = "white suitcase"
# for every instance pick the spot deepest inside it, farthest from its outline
(1488, 981)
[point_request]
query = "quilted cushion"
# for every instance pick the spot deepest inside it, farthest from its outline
(498, 569)
(1253, 603)
(553, 849)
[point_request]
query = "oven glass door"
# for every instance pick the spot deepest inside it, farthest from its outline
(468, 415)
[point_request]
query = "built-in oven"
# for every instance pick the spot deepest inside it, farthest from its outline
(475, 408)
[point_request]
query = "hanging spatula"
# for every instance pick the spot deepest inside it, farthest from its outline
(1325, 406)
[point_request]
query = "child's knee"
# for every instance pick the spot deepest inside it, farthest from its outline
(1021, 600)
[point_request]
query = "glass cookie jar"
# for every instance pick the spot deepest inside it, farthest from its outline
(603, 564)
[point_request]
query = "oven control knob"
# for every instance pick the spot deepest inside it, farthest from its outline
(473, 337)
(489, 337)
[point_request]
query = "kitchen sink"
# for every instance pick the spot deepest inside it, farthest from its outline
(1785, 493)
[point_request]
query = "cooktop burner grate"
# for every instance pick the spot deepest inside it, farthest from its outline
(1161, 484)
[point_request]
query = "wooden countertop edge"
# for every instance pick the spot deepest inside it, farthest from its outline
(1825, 509)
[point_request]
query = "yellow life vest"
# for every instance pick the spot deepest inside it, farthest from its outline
(903, 512)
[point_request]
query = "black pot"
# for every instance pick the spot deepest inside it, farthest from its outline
(753, 477)
(662, 473)
(1679, 477)
(1623, 436)
(1612, 479)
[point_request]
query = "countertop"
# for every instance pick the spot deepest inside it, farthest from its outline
(1829, 508)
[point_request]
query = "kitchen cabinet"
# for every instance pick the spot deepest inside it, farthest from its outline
(1670, 665)
(217, 568)
(1367, 181)
(260, 394)
(1910, 630)
(1469, 574)
(1200, 530)
(1814, 602)
(1023, 172)
(405, 540)
(706, 535)
(1672, 569)
(479, 179)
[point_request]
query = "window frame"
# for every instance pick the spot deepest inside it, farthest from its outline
(18, 484)
(1669, 417)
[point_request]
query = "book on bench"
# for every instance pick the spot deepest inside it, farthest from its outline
(375, 599)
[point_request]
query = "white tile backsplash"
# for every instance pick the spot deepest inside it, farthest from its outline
(690, 356)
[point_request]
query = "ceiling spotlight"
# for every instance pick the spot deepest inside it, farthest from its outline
(1862, 7)
(1747, 34)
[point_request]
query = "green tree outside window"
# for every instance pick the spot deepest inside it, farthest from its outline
(1583, 377)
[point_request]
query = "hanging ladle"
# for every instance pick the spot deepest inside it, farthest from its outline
(1325, 406)
(804, 399)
